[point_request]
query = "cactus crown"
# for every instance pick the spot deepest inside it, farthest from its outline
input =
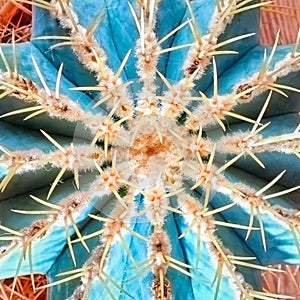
(149, 111)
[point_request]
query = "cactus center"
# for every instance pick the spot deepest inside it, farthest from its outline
(156, 158)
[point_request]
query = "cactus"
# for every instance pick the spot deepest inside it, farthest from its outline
(149, 150)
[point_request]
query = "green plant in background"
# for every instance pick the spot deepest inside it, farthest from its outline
(148, 151)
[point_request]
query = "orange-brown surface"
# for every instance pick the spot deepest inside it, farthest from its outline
(287, 283)
(23, 289)
(14, 17)
(283, 15)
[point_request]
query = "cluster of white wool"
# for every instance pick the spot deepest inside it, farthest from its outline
(26, 160)
(80, 156)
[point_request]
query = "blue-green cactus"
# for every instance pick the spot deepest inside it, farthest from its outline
(149, 151)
